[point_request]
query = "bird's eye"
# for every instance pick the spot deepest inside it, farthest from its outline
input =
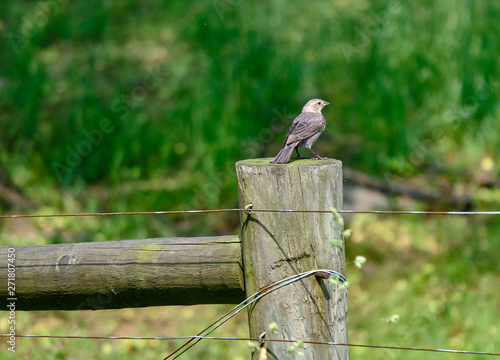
(319, 102)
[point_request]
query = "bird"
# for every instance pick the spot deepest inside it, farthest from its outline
(305, 130)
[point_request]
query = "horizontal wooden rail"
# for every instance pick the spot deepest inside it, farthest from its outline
(127, 273)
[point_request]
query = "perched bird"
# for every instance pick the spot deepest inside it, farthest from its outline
(305, 130)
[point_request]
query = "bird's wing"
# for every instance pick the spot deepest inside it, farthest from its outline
(304, 126)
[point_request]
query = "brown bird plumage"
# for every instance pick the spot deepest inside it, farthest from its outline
(305, 130)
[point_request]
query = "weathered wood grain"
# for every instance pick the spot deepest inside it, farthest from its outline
(127, 273)
(278, 245)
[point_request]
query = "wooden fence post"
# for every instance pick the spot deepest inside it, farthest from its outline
(280, 244)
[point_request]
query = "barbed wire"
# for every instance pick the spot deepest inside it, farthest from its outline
(171, 212)
(193, 337)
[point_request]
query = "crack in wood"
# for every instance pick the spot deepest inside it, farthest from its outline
(294, 259)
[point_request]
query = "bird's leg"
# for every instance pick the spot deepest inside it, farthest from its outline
(317, 156)
(298, 155)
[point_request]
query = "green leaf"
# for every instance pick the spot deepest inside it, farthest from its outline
(253, 345)
(359, 261)
(338, 222)
(273, 328)
(337, 242)
(394, 318)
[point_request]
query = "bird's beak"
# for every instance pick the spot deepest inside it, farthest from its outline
(325, 103)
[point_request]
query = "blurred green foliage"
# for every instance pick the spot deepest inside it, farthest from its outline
(191, 88)
(135, 106)
(426, 283)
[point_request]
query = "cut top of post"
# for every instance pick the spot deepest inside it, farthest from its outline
(292, 162)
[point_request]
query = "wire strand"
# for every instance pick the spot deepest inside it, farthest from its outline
(171, 212)
(252, 339)
(247, 302)
(121, 213)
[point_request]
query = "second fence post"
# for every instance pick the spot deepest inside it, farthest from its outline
(277, 245)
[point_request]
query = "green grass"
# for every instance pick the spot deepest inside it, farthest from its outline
(438, 275)
(162, 322)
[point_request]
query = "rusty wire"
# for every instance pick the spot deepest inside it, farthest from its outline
(247, 210)
(252, 339)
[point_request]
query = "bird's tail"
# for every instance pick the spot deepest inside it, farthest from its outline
(284, 154)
